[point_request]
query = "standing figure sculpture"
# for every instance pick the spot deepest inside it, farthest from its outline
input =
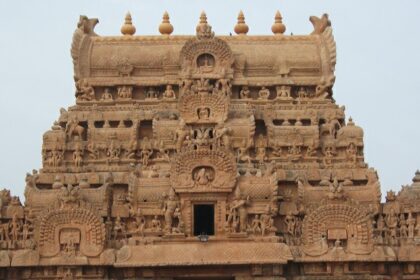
(169, 207)
(238, 212)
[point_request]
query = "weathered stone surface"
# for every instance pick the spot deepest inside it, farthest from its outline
(206, 156)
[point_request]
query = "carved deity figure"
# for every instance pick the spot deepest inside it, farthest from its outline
(180, 135)
(351, 154)
(119, 228)
(403, 226)
(335, 189)
(78, 156)
(264, 93)
(302, 93)
(224, 86)
(411, 223)
(15, 227)
(391, 221)
(106, 96)
(84, 92)
(290, 222)
(125, 92)
(73, 127)
(222, 136)
(146, 151)
(260, 148)
(329, 154)
(113, 152)
(283, 92)
(203, 177)
(245, 93)
(169, 93)
(256, 224)
(93, 150)
(180, 228)
(203, 113)
(237, 213)
(155, 224)
(169, 206)
(140, 223)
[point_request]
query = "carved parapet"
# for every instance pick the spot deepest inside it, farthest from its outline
(204, 170)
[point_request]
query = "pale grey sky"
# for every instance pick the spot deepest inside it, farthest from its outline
(378, 44)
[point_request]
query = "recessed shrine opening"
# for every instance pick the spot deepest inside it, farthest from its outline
(203, 219)
(146, 129)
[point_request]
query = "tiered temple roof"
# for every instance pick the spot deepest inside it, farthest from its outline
(207, 156)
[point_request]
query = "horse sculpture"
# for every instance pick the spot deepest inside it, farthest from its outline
(74, 128)
(331, 127)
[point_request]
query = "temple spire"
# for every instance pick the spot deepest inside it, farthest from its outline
(241, 28)
(128, 28)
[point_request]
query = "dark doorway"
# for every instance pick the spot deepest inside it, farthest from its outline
(204, 219)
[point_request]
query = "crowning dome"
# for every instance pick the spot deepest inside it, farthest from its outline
(206, 156)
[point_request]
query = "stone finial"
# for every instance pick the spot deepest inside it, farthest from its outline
(278, 27)
(351, 122)
(241, 28)
(203, 29)
(416, 178)
(166, 28)
(128, 28)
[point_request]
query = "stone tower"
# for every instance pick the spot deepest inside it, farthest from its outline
(207, 156)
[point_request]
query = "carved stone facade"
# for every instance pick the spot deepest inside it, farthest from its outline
(207, 156)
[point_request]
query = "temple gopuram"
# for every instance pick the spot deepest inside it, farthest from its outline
(207, 157)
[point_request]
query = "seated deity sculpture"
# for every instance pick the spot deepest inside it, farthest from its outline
(106, 96)
(245, 93)
(125, 92)
(169, 93)
(264, 93)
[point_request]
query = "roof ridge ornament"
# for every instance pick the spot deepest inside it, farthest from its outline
(320, 24)
(278, 27)
(241, 28)
(203, 29)
(166, 28)
(128, 28)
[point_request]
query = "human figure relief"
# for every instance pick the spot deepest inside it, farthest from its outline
(146, 151)
(106, 96)
(84, 92)
(119, 228)
(411, 223)
(169, 206)
(245, 93)
(155, 224)
(78, 156)
(125, 92)
(73, 127)
(264, 93)
(283, 92)
(238, 213)
(222, 136)
(224, 86)
(203, 177)
(180, 135)
(169, 93)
